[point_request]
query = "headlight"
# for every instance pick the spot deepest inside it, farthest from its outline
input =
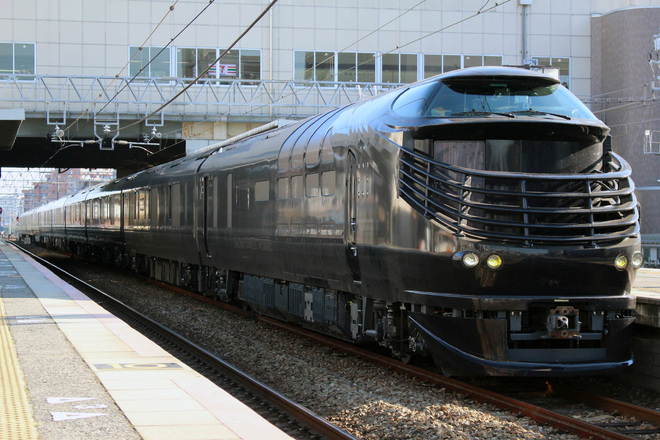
(637, 260)
(469, 259)
(494, 261)
(621, 262)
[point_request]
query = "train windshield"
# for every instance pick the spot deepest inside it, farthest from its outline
(507, 96)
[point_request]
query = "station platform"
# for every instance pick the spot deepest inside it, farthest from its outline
(645, 372)
(647, 290)
(69, 369)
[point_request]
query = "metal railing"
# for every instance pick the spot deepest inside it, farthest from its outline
(51, 95)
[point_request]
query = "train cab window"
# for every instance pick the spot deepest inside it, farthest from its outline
(283, 188)
(262, 191)
(413, 102)
(312, 185)
(509, 97)
(297, 186)
(328, 183)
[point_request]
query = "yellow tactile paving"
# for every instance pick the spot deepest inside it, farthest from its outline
(16, 421)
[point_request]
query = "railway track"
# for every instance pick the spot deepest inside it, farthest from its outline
(638, 417)
(292, 418)
(558, 409)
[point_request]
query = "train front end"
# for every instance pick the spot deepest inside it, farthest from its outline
(519, 175)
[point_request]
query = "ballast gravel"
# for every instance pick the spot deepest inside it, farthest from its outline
(366, 400)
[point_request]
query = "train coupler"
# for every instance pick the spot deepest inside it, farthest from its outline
(563, 323)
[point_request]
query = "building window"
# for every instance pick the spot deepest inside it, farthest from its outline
(235, 64)
(436, 64)
(432, 65)
(17, 58)
(142, 68)
(356, 67)
(399, 68)
(492, 60)
(315, 66)
(362, 67)
(562, 63)
(451, 62)
(347, 67)
(250, 67)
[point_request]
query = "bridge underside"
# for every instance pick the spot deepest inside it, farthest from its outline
(41, 152)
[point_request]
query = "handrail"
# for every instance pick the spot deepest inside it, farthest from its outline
(86, 94)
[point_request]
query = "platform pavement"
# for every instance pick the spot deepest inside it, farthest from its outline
(89, 375)
(645, 372)
(647, 290)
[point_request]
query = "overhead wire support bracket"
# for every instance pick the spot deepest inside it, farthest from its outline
(106, 142)
(48, 119)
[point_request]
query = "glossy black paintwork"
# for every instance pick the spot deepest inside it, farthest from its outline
(342, 223)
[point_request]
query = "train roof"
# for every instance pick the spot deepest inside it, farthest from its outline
(488, 71)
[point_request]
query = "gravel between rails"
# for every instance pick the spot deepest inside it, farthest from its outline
(368, 401)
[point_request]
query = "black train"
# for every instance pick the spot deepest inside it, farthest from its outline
(479, 216)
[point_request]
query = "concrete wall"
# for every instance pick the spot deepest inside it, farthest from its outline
(621, 43)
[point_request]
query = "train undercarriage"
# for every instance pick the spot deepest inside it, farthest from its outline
(532, 336)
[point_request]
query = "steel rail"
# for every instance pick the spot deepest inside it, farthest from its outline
(306, 417)
(608, 404)
(537, 413)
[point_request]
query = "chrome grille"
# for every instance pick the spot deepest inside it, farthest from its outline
(530, 208)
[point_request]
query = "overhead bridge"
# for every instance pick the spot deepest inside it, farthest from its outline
(130, 124)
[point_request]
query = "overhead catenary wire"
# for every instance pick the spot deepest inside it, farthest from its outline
(356, 42)
(475, 14)
(155, 56)
(126, 84)
(479, 12)
(205, 71)
(116, 77)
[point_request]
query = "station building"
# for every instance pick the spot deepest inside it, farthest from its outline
(100, 73)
